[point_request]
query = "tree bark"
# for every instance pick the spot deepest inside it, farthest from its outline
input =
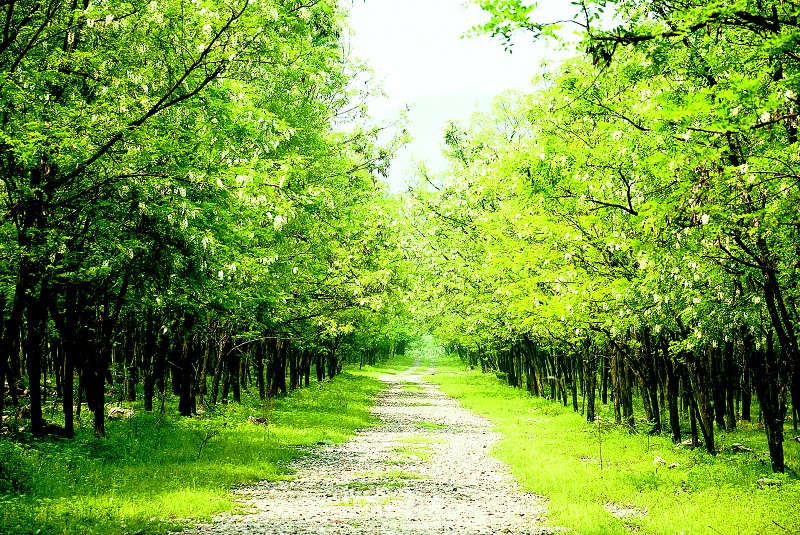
(36, 319)
(766, 378)
(3, 360)
(700, 397)
(590, 375)
(259, 363)
(732, 381)
(673, 391)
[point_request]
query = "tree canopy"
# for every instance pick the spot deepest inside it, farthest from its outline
(638, 210)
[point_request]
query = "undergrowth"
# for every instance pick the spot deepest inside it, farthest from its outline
(555, 453)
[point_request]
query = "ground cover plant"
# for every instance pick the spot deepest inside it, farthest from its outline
(554, 452)
(155, 470)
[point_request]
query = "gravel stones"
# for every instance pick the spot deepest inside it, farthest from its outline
(425, 469)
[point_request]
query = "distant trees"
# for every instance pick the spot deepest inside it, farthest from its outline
(632, 225)
(178, 210)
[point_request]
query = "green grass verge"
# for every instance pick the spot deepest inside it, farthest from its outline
(553, 452)
(153, 472)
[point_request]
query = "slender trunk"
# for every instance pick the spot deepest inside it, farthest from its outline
(148, 358)
(36, 319)
(766, 378)
(235, 376)
(262, 395)
(306, 368)
(769, 372)
(700, 397)
(616, 384)
(332, 363)
(183, 369)
(746, 385)
(652, 365)
(218, 368)
(627, 397)
(320, 366)
(12, 342)
(590, 389)
(280, 370)
(574, 384)
(202, 378)
(732, 381)
(673, 391)
(294, 369)
(131, 369)
(718, 383)
(795, 398)
(92, 383)
(3, 359)
(68, 388)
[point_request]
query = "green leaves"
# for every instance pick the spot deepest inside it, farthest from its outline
(641, 193)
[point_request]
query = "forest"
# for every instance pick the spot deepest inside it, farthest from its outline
(195, 211)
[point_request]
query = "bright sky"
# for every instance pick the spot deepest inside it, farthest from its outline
(416, 50)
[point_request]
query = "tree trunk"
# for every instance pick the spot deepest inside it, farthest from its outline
(627, 397)
(218, 369)
(693, 420)
(280, 371)
(718, 383)
(10, 346)
(202, 377)
(306, 367)
(673, 391)
(766, 378)
(746, 385)
(590, 388)
(700, 397)
(320, 366)
(68, 390)
(652, 365)
(332, 363)
(573, 363)
(235, 375)
(183, 355)
(34, 352)
(605, 372)
(148, 357)
(732, 381)
(3, 360)
(616, 384)
(294, 369)
(260, 349)
(795, 398)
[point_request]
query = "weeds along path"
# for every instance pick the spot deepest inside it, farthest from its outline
(424, 469)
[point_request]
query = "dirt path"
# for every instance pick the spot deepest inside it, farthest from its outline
(425, 469)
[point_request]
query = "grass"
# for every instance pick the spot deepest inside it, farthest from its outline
(553, 452)
(432, 426)
(402, 475)
(153, 471)
(411, 387)
(365, 502)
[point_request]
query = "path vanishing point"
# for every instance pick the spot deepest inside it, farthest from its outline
(425, 469)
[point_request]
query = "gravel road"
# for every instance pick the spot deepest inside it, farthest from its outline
(424, 470)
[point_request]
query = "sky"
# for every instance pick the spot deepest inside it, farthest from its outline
(417, 52)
